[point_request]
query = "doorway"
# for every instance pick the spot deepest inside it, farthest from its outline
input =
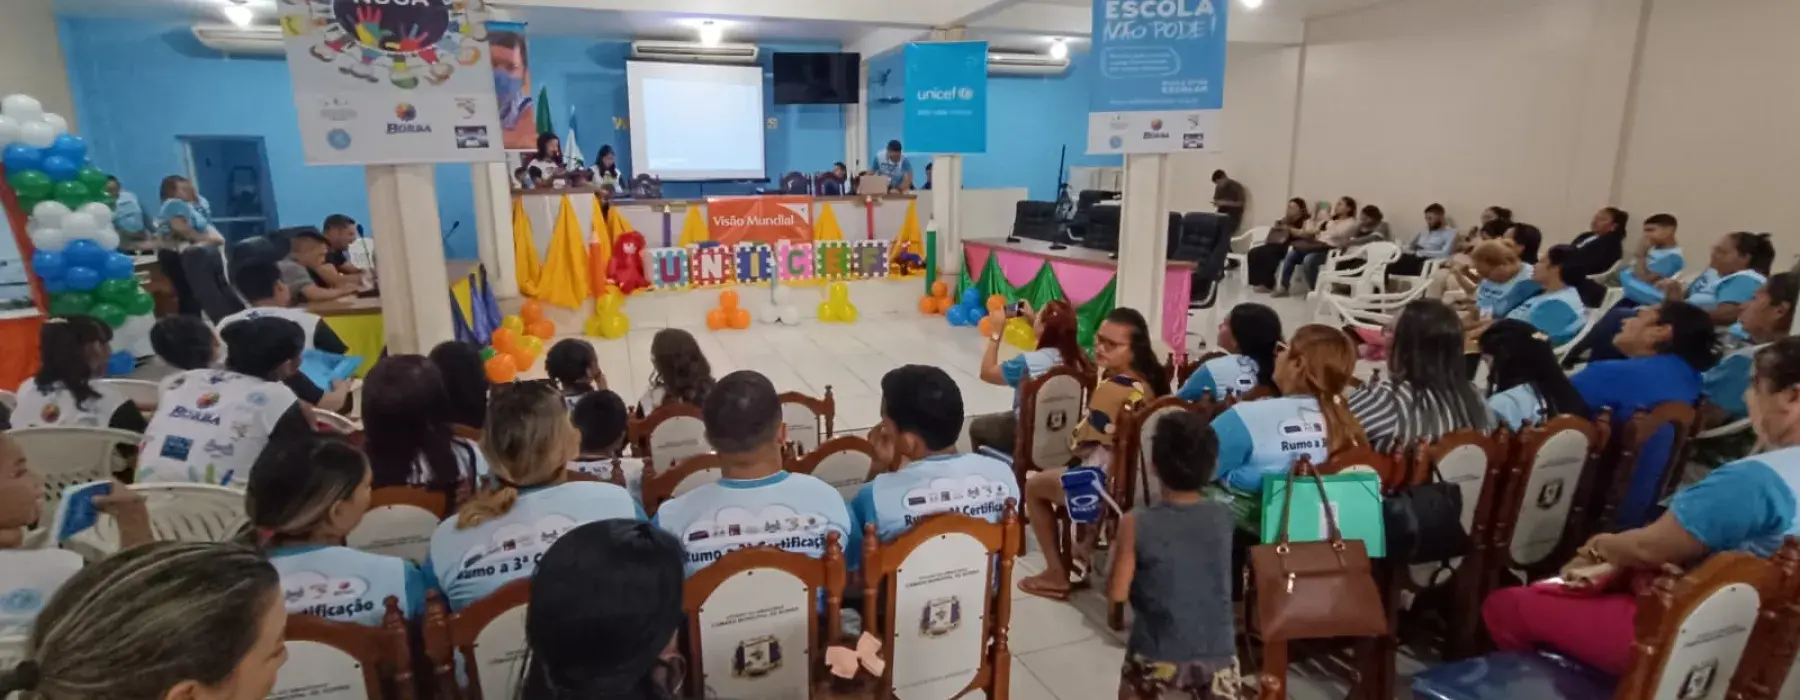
(232, 174)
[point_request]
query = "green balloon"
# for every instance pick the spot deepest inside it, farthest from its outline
(140, 302)
(70, 304)
(71, 193)
(26, 204)
(30, 183)
(118, 291)
(109, 314)
(92, 177)
(488, 353)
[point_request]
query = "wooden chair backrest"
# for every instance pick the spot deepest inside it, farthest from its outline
(1548, 472)
(1693, 631)
(492, 663)
(1633, 437)
(845, 462)
(642, 435)
(615, 477)
(399, 522)
(1392, 468)
(809, 421)
(316, 645)
(925, 675)
(1476, 462)
(761, 579)
(1130, 470)
(660, 486)
(1768, 672)
(1050, 406)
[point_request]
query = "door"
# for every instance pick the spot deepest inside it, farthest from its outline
(232, 174)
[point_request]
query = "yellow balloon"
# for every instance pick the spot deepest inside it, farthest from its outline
(846, 312)
(514, 324)
(1018, 333)
(839, 292)
(532, 343)
(609, 302)
(826, 313)
(614, 326)
(592, 326)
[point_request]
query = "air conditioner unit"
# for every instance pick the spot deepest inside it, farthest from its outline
(1004, 63)
(226, 38)
(691, 52)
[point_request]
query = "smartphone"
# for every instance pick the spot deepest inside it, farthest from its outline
(1017, 308)
(77, 512)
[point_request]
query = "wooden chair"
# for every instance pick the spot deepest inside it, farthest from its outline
(761, 605)
(1050, 406)
(336, 423)
(322, 650)
(691, 473)
(1634, 436)
(946, 566)
(399, 522)
(671, 433)
(809, 421)
(490, 637)
(1537, 522)
(845, 462)
(614, 476)
(1476, 463)
(1130, 469)
(1768, 672)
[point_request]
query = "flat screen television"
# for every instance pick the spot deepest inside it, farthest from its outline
(817, 78)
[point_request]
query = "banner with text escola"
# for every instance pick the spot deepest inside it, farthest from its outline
(1162, 76)
(946, 98)
(765, 219)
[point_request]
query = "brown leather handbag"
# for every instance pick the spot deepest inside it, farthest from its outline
(1314, 590)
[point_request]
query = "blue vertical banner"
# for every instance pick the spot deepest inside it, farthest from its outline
(1162, 75)
(946, 97)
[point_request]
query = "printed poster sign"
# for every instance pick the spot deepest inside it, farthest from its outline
(946, 97)
(383, 82)
(760, 219)
(753, 637)
(512, 85)
(1162, 75)
(940, 610)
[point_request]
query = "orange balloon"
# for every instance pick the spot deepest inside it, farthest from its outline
(542, 328)
(521, 358)
(728, 300)
(943, 305)
(501, 368)
(503, 340)
(986, 326)
(740, 318)
(533, 312)
(715, 319)
(996, 303)
(927, 305)
(939, 289)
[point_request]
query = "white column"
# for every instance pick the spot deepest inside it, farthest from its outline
(493, 227)
(409, 257)
(31, 62)
(946, 191)
(1143, 228)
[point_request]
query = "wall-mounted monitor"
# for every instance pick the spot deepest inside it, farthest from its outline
(817, 78)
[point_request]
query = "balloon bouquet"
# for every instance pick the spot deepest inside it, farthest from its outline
(837, 307)
(729, 314)
(938, 301)
(609, 320)
(70, 227)
(517, 343)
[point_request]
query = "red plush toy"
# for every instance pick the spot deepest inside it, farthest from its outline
(627, 266)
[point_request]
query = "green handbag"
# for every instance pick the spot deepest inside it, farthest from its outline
(1355, 497)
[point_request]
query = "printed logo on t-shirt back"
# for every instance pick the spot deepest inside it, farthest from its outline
(971, 495)
(733, 527)
(332, 598)
(513, 548)
(1304, 432)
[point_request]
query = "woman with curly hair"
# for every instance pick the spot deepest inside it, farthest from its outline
(682, 373)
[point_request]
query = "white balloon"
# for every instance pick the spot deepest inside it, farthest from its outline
(37, 134)
(49, 213)
(49, 239)
(9, 130)
(779, 295)
(57, 122)
(24, 108)
(80, 225)
(771, 314)
(98, 210)
(790, 315)
(107, 238)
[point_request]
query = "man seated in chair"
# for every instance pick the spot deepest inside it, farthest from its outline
(921, 418)
(337, 271)
(308, 254)
(755, 503)
(262, 287)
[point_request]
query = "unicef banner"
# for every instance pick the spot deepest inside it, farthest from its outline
(946, 97)
(1162, 75)
(383, 82)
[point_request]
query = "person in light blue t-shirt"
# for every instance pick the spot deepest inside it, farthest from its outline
(1310, 419)
(1765, 319)
(1739, 265)
(1659, 259)
(499, 535)
(1250, 335)
(1525, 384)
(1506, 281)
(1556, 309)
(895, 167)
(304, 497)
(755, 503)
(1056, 330)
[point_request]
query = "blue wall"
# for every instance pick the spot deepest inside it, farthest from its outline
(887, 120)
(140, 85)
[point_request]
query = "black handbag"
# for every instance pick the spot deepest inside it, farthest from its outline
(1424, 522)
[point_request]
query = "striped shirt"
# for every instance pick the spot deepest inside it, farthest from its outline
(1394, 414)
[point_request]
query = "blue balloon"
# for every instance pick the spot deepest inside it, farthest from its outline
(120, 362)
(71, 147)
(22, 157)
(55, 286)
(48, 264)
(119, 266)
(84, 253)
(955, 315)
(60, 169)
(81, 279)
(971, 297)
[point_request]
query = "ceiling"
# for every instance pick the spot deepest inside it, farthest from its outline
(1303, 9)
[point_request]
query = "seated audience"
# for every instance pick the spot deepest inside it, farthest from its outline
(1371, 226)
(304, 497)
(1250, 336)
(1598, 250)
(1766, 318)
(183, 343)
(575, 367)
(1174, 567)
(1747, 505)
(181, 223)
(605, 609)
(165, 621)
(128, 218)
(1738, 267)
(1261, 262)
(1310, 252)
(335, 269)
(921, 417)
(407, 432)
(606, 170)
(547, 164)
(743, 425)
(261, 286)
(837, 182)
(530, 443)
(1424, 394)
(1055, 327)
(1525, 239)
(1310, 418)
(72, 353)
(1129, 374)
(1556, 308)
(1504, 283)
(1525, 383)
(211, 424)
(465, 380)
(1459, 272)
(1492, 224)
(1436, 242)
(1667, 347)
(681, 373)
(307, 254)
(1657, 258)
(602, 420)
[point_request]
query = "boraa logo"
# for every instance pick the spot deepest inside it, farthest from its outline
(403, 39)
(405, 112)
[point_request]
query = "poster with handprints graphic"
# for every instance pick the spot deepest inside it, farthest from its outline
(388, 82)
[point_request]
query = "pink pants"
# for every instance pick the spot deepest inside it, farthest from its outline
(1596, 631)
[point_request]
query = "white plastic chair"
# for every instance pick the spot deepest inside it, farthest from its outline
(1613, 295)
(1600, 277)
(1733, 428)
(1408, 282)
(337, 422)
(8, 400)
(178, 513)
(1255, 236)
(1365, 279)
(68, 455)
(1370, 310)
(140, 391)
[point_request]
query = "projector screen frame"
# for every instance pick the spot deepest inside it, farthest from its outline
(640, 133)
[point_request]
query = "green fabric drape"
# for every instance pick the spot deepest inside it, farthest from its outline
(1042, 289)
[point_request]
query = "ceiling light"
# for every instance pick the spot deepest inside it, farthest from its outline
(239, 15)
(711, 34)
(1251, 4)
(1059, 49)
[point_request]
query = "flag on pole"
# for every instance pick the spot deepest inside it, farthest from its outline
(570, 149)
(545, 124)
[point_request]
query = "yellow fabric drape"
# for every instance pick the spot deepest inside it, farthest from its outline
(693, 228)
(525, 257)
(605, 232)
(825, 226)
(909, 232)
(564, 281)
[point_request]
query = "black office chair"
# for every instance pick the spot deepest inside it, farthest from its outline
(1204, 239)
(205, 272)
(1102, 229)
(794, 183)
(1035, 220)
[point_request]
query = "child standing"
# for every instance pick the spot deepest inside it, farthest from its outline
(1174, 566)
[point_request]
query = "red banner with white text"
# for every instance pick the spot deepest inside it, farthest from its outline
(764, 219)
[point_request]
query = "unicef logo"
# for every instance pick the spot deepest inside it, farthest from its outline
(947, 94)
(338, 139)
(965, 93)
(405, 112)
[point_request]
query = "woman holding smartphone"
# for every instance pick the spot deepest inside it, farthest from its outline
(1055, 328)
